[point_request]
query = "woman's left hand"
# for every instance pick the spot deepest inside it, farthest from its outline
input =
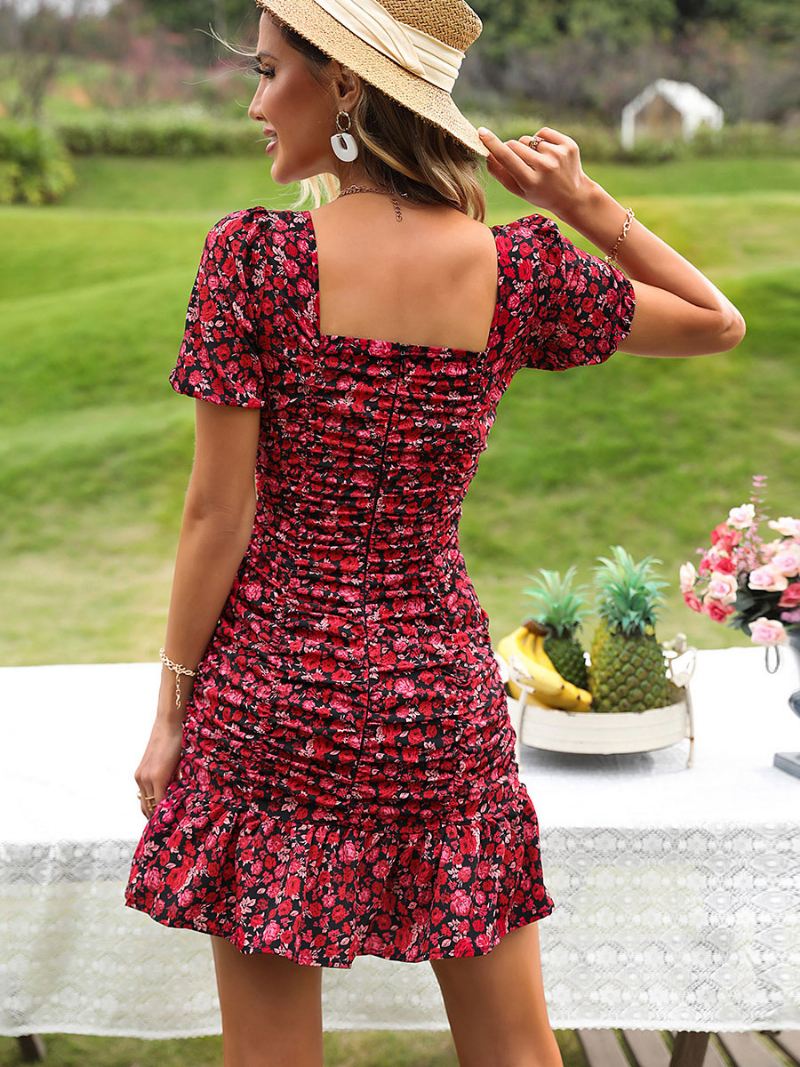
(549, 176)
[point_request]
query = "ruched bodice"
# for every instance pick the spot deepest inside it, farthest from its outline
(347, 781)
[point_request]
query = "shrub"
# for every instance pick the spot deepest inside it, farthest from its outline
(35, 167)
(159, 135)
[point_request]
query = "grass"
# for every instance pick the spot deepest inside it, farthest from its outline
(97, 448)
(363, 1048)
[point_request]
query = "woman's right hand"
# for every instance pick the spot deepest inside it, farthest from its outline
(159, 762)
(550, 176)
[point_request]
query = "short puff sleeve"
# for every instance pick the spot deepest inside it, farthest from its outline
(219, 360)
(582, 307)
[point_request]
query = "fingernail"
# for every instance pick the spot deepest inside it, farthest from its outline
(482, 131)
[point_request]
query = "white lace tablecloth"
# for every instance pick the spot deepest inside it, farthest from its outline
(677, 890)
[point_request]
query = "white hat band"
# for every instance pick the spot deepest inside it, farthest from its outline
(415, 50)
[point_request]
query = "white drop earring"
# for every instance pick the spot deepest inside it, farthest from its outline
(344, 143)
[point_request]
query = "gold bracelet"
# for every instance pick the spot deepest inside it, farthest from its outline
(629, 214)
(179, 669)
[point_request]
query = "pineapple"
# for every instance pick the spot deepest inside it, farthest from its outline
(560, 611)
(628, 668)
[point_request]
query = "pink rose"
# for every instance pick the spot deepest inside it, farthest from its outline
(787, 560)
(461, 902)
(716, 611)
(767, 578)
(349, 851)
(725, 536)
(786, 525)
(704, 566)
(719, 559)
(769, 549)
(790, 597)
(693, 601)
(742, 517)
(405, 686)
(722, 587)
(764, 631)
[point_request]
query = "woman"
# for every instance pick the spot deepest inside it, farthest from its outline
(331, 771)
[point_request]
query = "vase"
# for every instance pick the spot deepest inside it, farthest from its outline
(790, 761)
(794, 644)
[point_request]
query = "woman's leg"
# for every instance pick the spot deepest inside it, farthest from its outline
(495, 1004)
(271, 1009)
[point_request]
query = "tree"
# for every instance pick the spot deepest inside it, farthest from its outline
(37, 34)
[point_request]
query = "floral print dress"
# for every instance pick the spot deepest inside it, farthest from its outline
(347, 783)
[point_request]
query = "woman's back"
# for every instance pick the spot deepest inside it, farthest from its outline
(431, 280)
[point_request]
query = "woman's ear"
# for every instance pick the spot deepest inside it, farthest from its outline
(348, 85)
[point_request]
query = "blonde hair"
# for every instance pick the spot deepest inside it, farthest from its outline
(398, 149)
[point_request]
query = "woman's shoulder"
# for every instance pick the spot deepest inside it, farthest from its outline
(250, 236)
(535, 225)
(531, 239)
(248, 223)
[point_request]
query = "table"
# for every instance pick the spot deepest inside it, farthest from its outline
(677, 890)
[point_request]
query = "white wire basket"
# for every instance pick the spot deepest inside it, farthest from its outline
(540, 726)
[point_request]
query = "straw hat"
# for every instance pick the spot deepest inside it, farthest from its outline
(409, 49)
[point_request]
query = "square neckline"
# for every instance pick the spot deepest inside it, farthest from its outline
(406, 346)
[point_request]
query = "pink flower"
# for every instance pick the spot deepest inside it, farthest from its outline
(722, 587)
(790, 597)
(764, 631)
(153, 879)
(405, 686)
(787, 559)
(767, 578)
(719, 559)
(349, 851)
(715, 610)
(786, 525)
(742, 517)
(693, 601)
(688, 576)
(770, 549)
(460, 902)
(791, 616)
(725, 536)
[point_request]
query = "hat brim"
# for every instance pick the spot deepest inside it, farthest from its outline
(428, 101)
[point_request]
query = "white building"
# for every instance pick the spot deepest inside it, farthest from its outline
(668, 109)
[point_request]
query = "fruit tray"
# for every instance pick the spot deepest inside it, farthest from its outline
(556, 730)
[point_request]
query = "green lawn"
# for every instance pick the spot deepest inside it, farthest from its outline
(97, 447)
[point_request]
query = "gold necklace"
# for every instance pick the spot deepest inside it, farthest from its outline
(365, 189)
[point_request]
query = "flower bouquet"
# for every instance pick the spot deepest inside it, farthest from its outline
(747, 582)
(753, 585)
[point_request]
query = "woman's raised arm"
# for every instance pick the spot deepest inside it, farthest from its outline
(679, 311)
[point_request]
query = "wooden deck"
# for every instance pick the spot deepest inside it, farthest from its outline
(666, 1048)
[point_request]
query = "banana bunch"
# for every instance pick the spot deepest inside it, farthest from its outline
(523, 650)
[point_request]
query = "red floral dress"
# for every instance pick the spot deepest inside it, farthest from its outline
(347, 783)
